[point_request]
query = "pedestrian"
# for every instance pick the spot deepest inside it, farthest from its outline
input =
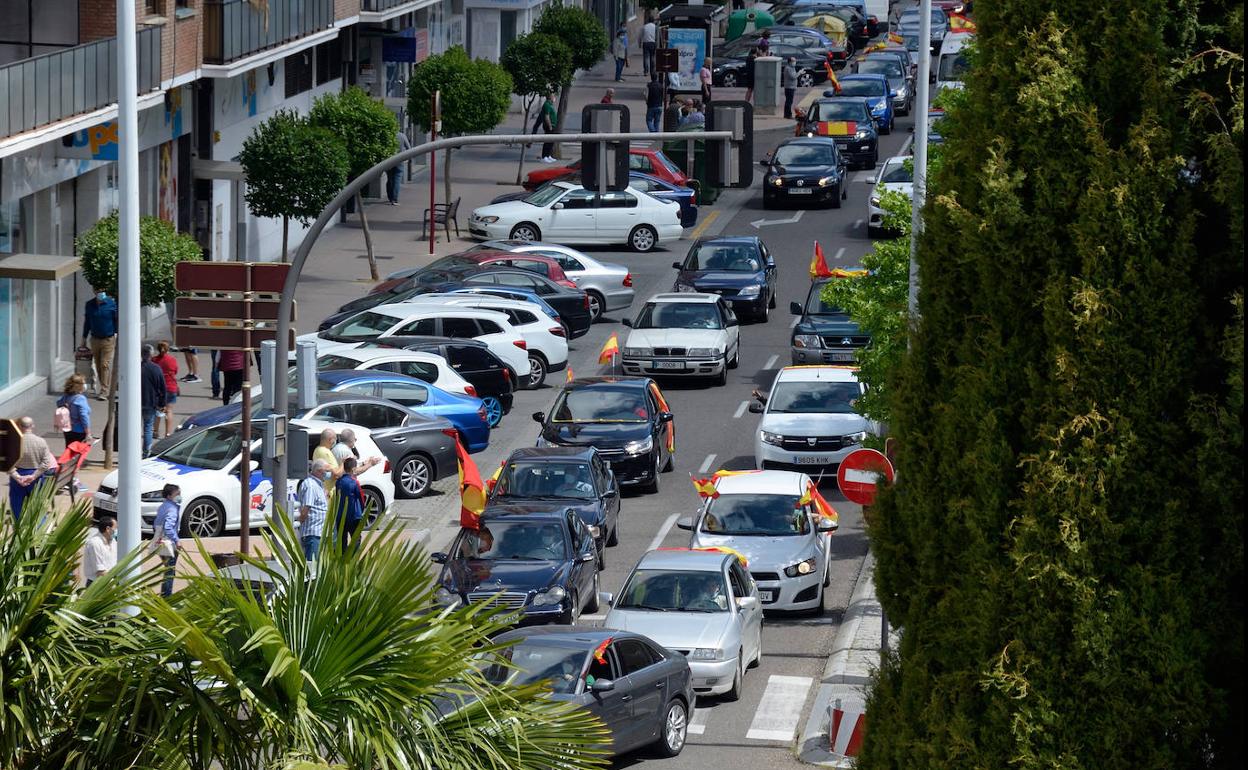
(165, 533)
(764, 43)
(705, 77)
(349, 505)
(747, 75)
(324, 452)
(231, 363)
(192, 365)
(672, 116)
(214, 374)
(649, 44)
(654, 103)
(152, 396)
(313, 505)
(608, 97)
(168, 364)
(99, 328)
(346, 448)
(619, 49)
(99, 554)
(394, 177)
(548, 120)
(34, 462)
(695, 116)
(788, 81)
(77, 410)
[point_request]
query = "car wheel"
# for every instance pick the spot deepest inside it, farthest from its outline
(670, 465)
(817, 610)
(874, 232)
(758, 651)
(574, 611)
(204, 517)
(592, 607)
(875, 157)
(653, 486)
(526, 231)
(805, 80)
(762, 312)
(374, 505)
(413, 476)
(827, 572)
(597, 306)
(675, 729)
(836, 199)
(643, 238)
(493, 410)
(613, 539)
(738, 679)
(730, 80)
(886, 129)
(736, 360)
(722, 378)
(537, 371)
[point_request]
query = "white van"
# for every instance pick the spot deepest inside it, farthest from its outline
(951, 65)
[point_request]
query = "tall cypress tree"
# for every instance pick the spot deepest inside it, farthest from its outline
(1064, 547)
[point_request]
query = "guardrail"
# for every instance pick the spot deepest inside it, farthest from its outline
(234, 29)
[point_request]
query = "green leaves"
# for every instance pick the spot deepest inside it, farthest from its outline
(160, 248)
(539, 64)
(294, 169)
(579, 30)
(476, 93)
(363, 125)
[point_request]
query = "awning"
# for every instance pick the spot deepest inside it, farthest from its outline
(38, 267)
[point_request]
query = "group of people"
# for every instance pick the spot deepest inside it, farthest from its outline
(335, 465)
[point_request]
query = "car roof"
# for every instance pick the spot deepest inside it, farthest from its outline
(463, 300)
(855, 99)
(812, 373)
(762, 482)
(692, 297)
(568, 635)
(553, 453)
(415, 307)
(814, 140)
(364, 354)
(752, 239)
(615, 381)
(339, 376)
(402, 341)
(684, 559)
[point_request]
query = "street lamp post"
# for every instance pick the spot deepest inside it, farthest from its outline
(920, 154)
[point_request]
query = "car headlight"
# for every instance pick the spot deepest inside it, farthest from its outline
(636, 352)
(857, 438)
(827, 180)
(801, 568)
(900, 93)
(707, 653)
(862, 135)
(750, 290)
(152, 497)
(702, 352)
(550, 596)
(875, 201)
(487, 220)
(807, 341)
(777, 181)
(775, 439)
(639, 447)
(445, 597)
(879, 109)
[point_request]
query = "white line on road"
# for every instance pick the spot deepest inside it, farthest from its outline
(857, 223)
(663, 530)
(740, 410)
(697, 723)
(707, 463)
(840, 253)
(778, 711)
(797, 216)
(770, 362)
(863, 176)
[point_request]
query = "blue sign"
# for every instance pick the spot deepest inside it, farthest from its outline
(400, 49)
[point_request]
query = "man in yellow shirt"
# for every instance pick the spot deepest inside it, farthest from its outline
(325, 451)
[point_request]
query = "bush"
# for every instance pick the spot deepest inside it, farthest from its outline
(160, 248)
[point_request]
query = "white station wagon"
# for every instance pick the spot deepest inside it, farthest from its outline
(683, 334)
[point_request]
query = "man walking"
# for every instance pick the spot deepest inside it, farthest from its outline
(349, 507)
(165, 528)
(325, 453)
(99, 555)
(33, 462)
(99, 328)
(548, 119)
(313, 505)
(649, 44)
(788, 81)
(654, 103)
(394, 177)
(152, 394)
(619, 49)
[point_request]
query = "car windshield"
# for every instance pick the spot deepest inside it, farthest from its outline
(679, 315)
(911, 16)
(770, 515)
(816, 306)
(732, 257)
(674, 591)
(889, 67)
(564, 481)
(841, 111)
(897, 172)
(546, 195)
(211, 449)
(804, 155)
(813, 397)
(952, 67)
(533, 662)
(367, 324)
(863, 88)
(601, 404)
(499, 539)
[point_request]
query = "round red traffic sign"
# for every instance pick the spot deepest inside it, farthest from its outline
(861, 474)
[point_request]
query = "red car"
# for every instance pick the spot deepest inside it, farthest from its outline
(643, 159)
(544, 266)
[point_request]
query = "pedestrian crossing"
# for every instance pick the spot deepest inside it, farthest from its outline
(780, 709)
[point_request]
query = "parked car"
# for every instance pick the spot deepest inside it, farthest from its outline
(861, 27)
(573, 305)
(608, 286)
(738, 268)
(786, 542)
(563, 478)
(824, 334)
(847, 119)
(461, 263)
(203, 464)
(908, 27)
(896, 175)
(541, 565)
(700, 604)
(809, 421)
(641, 692)
(685, 197)
(808, 39)
(571, 214)
(625, 418)
(806, 169)
(647, 160)
(683, 335)
(952, 64)
(431, 368)
(875, 89)
(728, 66)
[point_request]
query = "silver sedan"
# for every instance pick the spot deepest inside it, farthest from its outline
(609, 286)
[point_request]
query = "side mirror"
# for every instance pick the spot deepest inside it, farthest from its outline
(765, 162)
(828, 525)
(602, 685)
(556, 206)
(587, 557)
(755, 407)
(677, 265)
(795, 308)
(685, 522)
(438, 557)
(606, 598)
(732, 321)
(627, 322)
(539, 417)
(666, 417)
(747, 602)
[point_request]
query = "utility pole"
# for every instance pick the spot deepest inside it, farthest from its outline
(435, 123)
(920, 154)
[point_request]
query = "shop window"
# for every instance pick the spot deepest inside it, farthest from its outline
(299, 73)
(17, 334)
(328, 61)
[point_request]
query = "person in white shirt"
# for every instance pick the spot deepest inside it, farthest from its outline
(346, 448)
(649, 43)
(99, 555)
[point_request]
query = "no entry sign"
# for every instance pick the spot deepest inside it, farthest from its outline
(861, 473)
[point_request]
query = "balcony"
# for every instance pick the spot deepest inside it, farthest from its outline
(234, 29)
(49, 88)
(378, 6)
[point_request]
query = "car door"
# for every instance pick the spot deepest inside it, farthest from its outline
(646, 681)
(584, 570)
(571, 217)
(751, 617)
(614, 708)
(731, 328)
(459, 327)
(619, 211)
(608, 492)
(480, 367)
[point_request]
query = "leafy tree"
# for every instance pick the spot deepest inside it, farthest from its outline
(583, 34)
(1064, 546)
(293, 170)
(369, 131)
(476, 94)
(539, 65)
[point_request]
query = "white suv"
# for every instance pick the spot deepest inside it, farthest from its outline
(683, 334)
(809, 420)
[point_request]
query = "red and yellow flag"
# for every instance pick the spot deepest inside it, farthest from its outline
(838, 127)
(875, 47)
(815, 498)
(492, 481)
(600, 652)
(893, 37)
(838, 272)
(705, 487)
(819, 264)
(671, 426)
(722, 474)
(610, 349)
(725, 549)
(836, 84)
(960, 23)
(471, 490)
(569, 376)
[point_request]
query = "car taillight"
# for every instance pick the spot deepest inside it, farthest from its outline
(386, 468)
(557, 331)
(628, 280)
(585, 300)
(470, 390)
(566, 282)
(520, 344)
(506, 374)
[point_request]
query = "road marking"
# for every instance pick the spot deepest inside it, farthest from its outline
(771, 362)
(697, 722)
(857, 223)
(707, 463)
(780, 707)
(705, 223)
(839, 253)
(757, 223)
(593, 617)
(663, 530)
(740, 410)
(864, 176)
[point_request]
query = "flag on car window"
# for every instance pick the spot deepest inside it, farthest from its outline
(471, 490)
(610, 349)
(819, 264)
(705, 487)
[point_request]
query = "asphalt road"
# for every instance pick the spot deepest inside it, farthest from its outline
(714, 430)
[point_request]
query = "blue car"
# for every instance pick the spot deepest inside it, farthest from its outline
(466, 413)
(738, 268)
(685, 197)
(875, 89)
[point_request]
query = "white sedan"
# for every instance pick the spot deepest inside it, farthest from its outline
(896, 175)
(567, 213)
(689, 334)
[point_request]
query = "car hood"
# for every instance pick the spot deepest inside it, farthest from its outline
(604, 435)
(720, 279)
(766, 553)
(512, 196)
(507, 210)
(827, 325)
(673, 630)
(905, 188)
(469, 575)
(590, 511)
(808, 424)
(215, 416)
(685, 338)
(803, 171)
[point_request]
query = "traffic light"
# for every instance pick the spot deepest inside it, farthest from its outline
(730, 163)
(604, 119)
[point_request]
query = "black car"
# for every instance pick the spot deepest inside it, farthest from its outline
(625, 418)
(572, 305)
(542, 565)
(728, 67)
(738, 268)
(563, 478)
(806, 169)
(807, 39)
(493, 380)
(861, 28)
(824, 334)
(847, 119)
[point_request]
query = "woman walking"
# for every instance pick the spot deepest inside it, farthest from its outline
(231, 363)
(168, 367)
(74, 400)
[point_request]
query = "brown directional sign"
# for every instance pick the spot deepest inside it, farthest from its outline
(226, 337)
(267, 277)
(10, 445)
(210, 308)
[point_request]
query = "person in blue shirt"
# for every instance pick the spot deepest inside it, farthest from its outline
(349, 504)
(73, 398)
(99, 327)
(165, 530)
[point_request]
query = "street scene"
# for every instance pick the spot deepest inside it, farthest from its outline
(766, 441)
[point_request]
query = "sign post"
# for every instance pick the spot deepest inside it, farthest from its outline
(861, 473)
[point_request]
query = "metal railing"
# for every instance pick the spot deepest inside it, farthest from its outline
(376, 6)
(234, 29)
(45, 89)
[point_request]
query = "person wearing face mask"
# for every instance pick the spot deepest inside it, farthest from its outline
(99, 327)
(313, 505)
(165, 528)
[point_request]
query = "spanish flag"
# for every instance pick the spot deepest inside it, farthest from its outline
(610, 349)
(893, 37)
(705, 487)
(671, 426)
(819, 264)
(960, 23)
(725, 549)
(570, 376)
(600, 652)
(838, 128)
(836, 84)
(838, 272)
(722, 474)
(813, 497)
(471, 490)
(875, 47)
(492, 481)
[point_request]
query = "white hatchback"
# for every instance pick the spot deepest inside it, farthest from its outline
(683, 334)
(809, 421)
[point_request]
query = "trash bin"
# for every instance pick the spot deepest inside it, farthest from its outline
(741, 22)
(675, 150)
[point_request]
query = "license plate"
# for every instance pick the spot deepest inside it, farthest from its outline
(107, 505)
(816, 460)
(766, 596)
(668, 365)
(847, 355)
(800, 191)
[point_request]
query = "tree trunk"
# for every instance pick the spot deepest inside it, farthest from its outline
(524, 129)
(446, 181)
(285, 238)
(110, 425)
(562, 115)
(368, 239)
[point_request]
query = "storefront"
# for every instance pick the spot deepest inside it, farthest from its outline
(493, 24)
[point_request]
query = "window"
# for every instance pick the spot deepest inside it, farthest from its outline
(634, 656)
(421, 370)
(424, 327)
(618, 200)
(472, 359)
(515, 279)
(373, 416)
(578, 199)
(640, 163)
(298, 69)
(404, 393)
(489, 327)
(532, 265)
(601, 670)
(741, 582)
(459, 327)
(328, 61)
(360, 389)
(333, 413)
